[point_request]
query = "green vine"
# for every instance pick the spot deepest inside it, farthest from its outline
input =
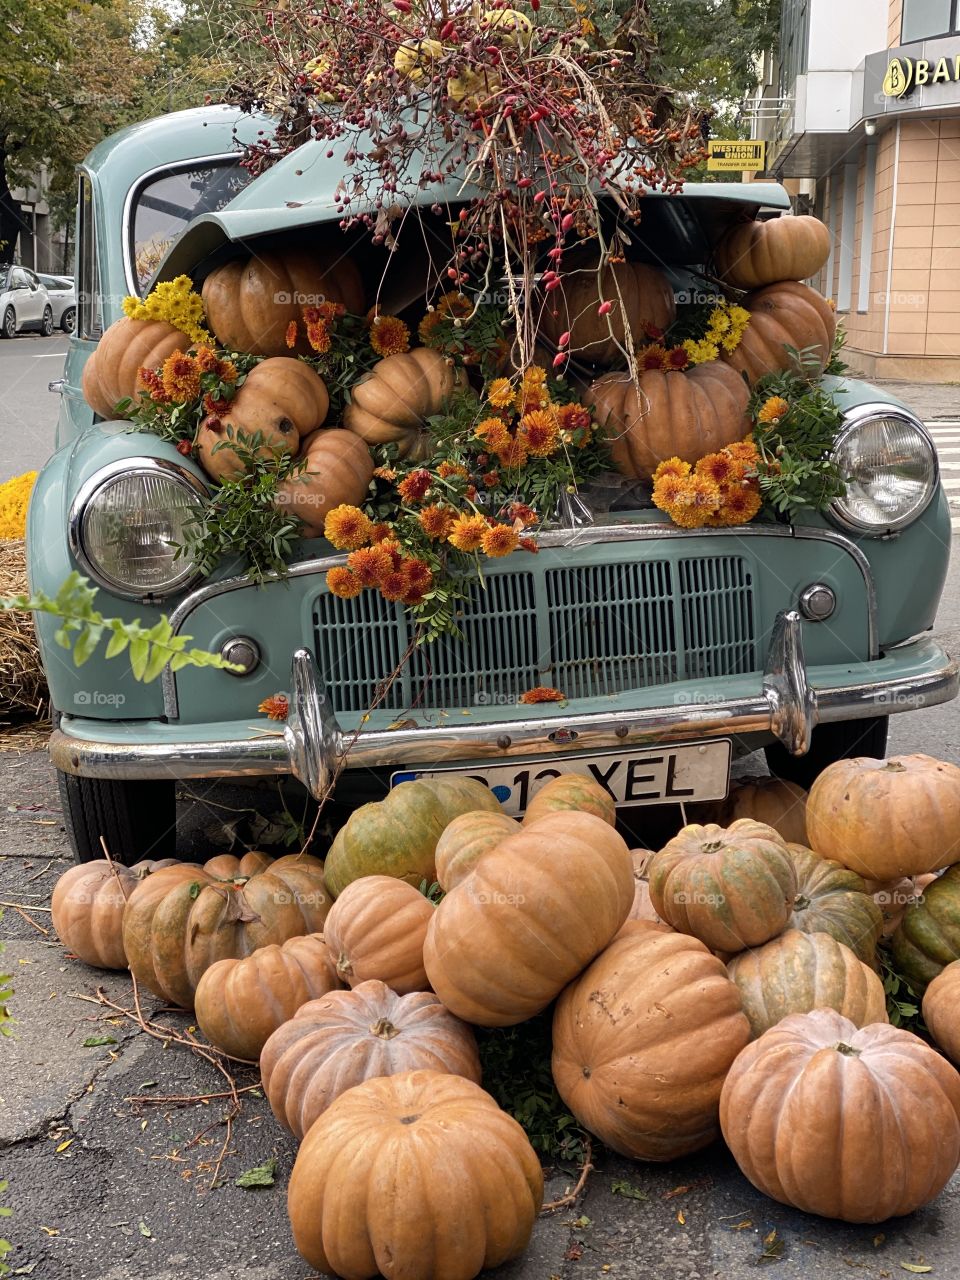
(903, 1003)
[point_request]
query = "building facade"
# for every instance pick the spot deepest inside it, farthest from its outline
(862, 120)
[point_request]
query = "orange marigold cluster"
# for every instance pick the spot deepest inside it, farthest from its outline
(721, 489)
(541, 693)
(181, 377)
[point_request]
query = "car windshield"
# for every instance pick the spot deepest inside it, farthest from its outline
(163, 206)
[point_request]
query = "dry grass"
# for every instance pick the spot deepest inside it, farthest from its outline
(23, 686)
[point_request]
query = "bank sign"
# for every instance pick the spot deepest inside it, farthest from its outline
(905, 74)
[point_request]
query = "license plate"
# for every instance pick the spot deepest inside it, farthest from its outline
(660, 775)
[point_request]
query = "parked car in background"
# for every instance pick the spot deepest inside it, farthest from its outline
(63, 299)
(24, 303)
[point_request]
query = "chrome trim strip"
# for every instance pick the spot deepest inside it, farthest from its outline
(855, 417)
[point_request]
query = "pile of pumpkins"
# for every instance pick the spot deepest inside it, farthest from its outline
(251, 303)
(726, 983)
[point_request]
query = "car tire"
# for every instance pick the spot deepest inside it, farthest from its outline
(137, 819)
(9, 327)
(830, 742)
(68, 321)
(46, 324)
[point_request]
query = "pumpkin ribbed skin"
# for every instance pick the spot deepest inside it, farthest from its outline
(112, 373)
(835, 900)
(283, 399)
(240, 1003)
(251, 301)
(941, 1010)
(731, 888)
(798, 972)
(535, 911)
(641, 295)
(754, 254)
(572, 791)
(780, 804)
(376, 929)
(391, 403)
(927, 938)
(335, 1043)
(860, 1125)
(465, 840)
(181, 920)
(887, 818)
(414, 1175)
(665, 415)
(338, 468)
(642, 1041)
(782, 315)
(398, 836)
(88, 904)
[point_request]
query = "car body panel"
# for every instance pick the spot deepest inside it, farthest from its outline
(22, 292)
(62, 294)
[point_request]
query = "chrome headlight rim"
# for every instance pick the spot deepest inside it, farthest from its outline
(854, 419)
(102, 477)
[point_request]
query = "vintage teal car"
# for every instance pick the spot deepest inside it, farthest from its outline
(676, 649)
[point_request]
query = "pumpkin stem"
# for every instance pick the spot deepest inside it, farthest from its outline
(801, 902)
(894, 766)
(344, 967)
(384, 1028)
(848, 1050)
(712, 846)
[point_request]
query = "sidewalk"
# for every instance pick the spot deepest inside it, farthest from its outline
(930, 400)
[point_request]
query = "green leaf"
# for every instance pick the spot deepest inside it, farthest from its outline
(94, 1042)
(259, 1176)
(619, 1187)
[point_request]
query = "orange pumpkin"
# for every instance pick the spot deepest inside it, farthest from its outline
(337, 467)
(779, 804)
(391, 403)
(112, 372)
(282, 399)
(941, 1002)
(376, 929)
(782, 316)
(240, 1003)
(665, 415)
(465, 839)
(753, 254)
(87, 908)
(250, 302)
(572, 791)
(640, 296)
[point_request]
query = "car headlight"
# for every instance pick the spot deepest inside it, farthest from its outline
(890, 467)
(128, 522)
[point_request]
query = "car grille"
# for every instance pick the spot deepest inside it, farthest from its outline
(589, 630)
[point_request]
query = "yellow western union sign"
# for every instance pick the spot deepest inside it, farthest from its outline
(727, 157)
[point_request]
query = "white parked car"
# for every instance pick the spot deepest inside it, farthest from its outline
(63, 299)
(23, 303)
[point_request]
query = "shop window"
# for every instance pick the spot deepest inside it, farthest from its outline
(925, 18)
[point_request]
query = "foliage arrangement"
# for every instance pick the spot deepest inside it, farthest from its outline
(14, 497)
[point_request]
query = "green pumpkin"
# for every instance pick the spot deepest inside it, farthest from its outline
(398, 836)
(928, 937)
(832, 899)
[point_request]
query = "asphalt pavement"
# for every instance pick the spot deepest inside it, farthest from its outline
(28, 411)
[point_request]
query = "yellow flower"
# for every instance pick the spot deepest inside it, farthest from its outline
(671, 467)
(700, 352)
(539, 432)
(14, 497)
(499, 540)
(389, 336)
(773, 410)
(467, 532)
(500, 393)
(174, 301)
(341, 582)
(694, 500)
(534, 376)
(347, 527)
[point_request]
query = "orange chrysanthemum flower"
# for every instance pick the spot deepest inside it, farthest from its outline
(341, 582)
(394, 585)
(347, 527)
(385, 473)
(541, 694)
(529, 544)
(671, 467)
(418, 573)
(276, 707)
(226, 371)
(389, 336)
(773, 410)
(206, 359)
(436, 521)
(539, 432)
(667, 491)
(500, 394)
(652, 357)
(720, 467)
(513, 455)
(467, 532)
(743, 451)
(520, 511)
(427, 329)
(698, 499)
(219, 408)
(500, 540)
(152, 383)
(490, 478)
(447, 470)
(370, 564)
(181, 377)
(413, 487)
(739, 504)
(678, 359)
(318, 335)
(534, 376)
(380, 532)
(531, 398)
(574, 417)
(290, 337)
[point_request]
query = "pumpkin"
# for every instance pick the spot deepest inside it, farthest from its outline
(251, 302)
(860, 1125)
(731, 888)
(753, 254)
(642, 908)
(414, 1175)
(87, 908)
(572, 791)
(281, 399)
(941, 1002)
(398, 836)
(112, 372)
(391, 403)
(798, 972)
(376, 929)
(894, 896)
(642, 1041)
(774, 801)
(239, 1003)
(641, 296)
(832, 899)
(465, 839)
(887, 818)
(782, 316)
(337, 467)
(184, 918)
(535, 911)
(332, 1044)
(927, 938)
(666, 415)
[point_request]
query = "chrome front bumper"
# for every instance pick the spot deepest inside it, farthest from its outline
(312, 744)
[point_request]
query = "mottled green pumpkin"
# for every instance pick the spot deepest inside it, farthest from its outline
(832, 899)
(798, 972)
(572, 791)
(466, 839)
(928, 936)
(398, 836)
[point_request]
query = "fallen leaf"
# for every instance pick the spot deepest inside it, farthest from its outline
(772, 1247)
(878, 1240)
(94, 1042)
(259, 1176)
(145, 1230)
(628, 1191)
(63, 1145)
(574, 1252)
(680, 1218)
(916, 1268)
(581, 1222)
(51, 1231)
(742, 1226)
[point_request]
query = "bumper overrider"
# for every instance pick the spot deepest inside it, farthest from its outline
(788, 702)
